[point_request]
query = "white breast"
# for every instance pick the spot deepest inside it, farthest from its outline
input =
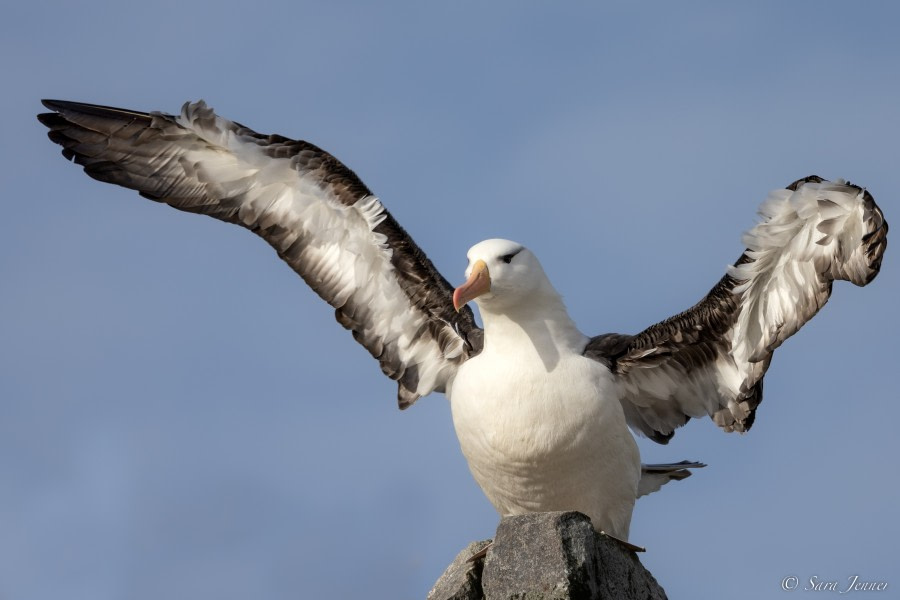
(542, 436)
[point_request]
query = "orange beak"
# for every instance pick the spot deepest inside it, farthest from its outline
(479, 283)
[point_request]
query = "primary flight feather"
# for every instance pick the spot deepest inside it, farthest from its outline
(540, 409)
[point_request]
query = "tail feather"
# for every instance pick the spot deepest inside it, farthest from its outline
(653, 477)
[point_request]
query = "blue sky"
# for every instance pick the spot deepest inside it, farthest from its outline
(180, 417)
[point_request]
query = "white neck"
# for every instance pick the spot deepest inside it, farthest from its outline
(540, 328)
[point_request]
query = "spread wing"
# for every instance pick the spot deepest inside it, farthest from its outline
(711, 359)
(317, 214)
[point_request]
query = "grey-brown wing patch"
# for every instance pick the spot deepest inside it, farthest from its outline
(710, 360)
(317, 214)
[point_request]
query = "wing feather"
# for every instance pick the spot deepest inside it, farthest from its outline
(314, 211)
(711, 359)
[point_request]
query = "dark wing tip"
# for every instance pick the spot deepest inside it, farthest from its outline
(661, 438)
(56, 105)
(49, 119)
(405, 396)
(62, 107)
(808, 179)
(56, 123)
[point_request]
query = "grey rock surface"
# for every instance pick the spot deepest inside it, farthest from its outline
(548, 556)
(462, 579)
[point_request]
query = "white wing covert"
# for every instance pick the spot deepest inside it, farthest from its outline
(711, 359)
(317, 214)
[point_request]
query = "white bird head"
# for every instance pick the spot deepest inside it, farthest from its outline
(502, 274)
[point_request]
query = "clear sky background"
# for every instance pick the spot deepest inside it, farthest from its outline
(181, 418)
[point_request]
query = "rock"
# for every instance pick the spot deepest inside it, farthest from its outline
(548, 556)
(462, 579)
(543, 555)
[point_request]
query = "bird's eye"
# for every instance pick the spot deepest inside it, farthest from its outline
(508, 258)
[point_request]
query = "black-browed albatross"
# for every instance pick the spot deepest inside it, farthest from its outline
(541, 410)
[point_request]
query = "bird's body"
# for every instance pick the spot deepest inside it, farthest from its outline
(541, 410)
(562, 446)
(540, 424)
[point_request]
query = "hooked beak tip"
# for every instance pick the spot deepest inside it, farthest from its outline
(456, 303)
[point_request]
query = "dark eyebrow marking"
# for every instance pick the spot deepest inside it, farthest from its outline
(507, 258)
